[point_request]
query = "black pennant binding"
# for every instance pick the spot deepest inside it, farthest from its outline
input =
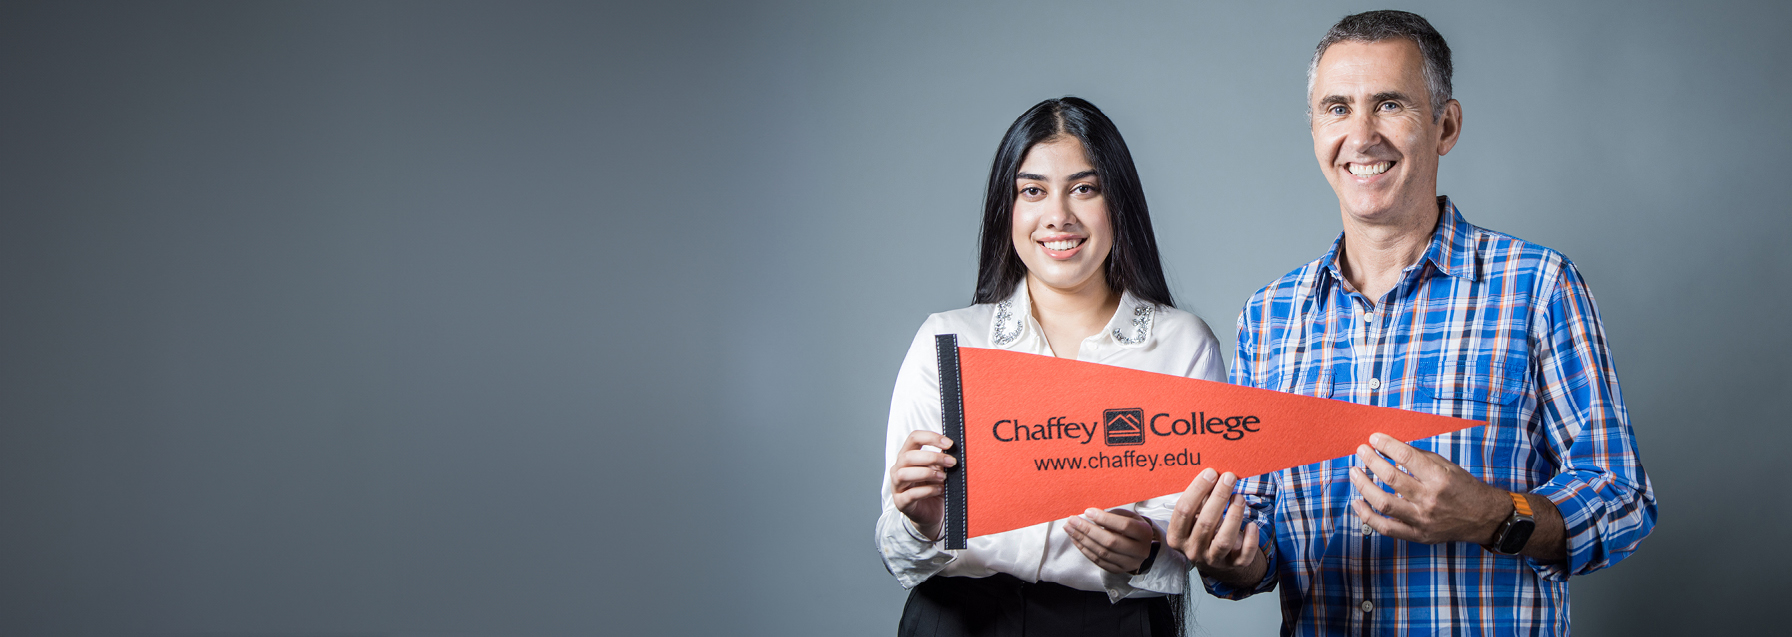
(952, 424)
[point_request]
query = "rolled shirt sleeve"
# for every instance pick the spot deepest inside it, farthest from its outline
(1606, 500)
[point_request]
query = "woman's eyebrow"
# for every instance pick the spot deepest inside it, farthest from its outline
(1073, 177)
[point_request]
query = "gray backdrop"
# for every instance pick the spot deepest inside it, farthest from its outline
(470, 319)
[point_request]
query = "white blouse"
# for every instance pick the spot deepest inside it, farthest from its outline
(1141, 336)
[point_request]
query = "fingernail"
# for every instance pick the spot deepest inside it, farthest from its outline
(1228, 478)
(945, 440)
(1207, 474)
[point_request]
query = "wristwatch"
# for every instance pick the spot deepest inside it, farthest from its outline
(1512, 535)
(1149, 559)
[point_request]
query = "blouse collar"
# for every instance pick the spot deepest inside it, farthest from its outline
(1013, 323)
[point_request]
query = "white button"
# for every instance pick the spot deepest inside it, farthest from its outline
(1368, 316)
(1368, 606)
(1374, 383)
(1366, 529)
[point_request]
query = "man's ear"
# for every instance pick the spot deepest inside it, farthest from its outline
(1450, 127)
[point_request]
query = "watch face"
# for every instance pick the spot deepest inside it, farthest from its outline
(1517, 534)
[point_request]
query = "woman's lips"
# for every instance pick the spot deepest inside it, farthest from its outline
(1062, 248)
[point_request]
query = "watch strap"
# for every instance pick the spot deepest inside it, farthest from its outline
(1149, 559)
(1521, 504)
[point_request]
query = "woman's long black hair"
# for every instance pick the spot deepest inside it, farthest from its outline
(1132, 264)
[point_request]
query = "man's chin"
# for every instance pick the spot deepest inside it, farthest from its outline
(1377, 210)
(1370, 211)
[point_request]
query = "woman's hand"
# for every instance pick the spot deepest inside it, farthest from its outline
(1118, 541)
(918, 481)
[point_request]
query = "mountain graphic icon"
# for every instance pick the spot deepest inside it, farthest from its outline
(1124, 427)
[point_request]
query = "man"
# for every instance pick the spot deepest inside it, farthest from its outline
(1476, 531)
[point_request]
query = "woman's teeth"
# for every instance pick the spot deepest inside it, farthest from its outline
(1062, 245)
(1370, 169)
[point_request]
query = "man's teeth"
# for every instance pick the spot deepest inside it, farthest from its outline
(1062, 245)
(1370, 169)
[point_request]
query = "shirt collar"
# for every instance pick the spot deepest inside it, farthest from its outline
(1012, 323)
(1131, 327)
(1451, 250)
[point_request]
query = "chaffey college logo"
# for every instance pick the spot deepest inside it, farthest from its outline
(1124, 427)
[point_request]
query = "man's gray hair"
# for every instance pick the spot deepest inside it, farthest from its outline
(1376, 26)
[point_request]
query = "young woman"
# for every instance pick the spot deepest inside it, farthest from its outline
(1067, 267)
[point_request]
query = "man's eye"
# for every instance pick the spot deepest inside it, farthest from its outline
(1338, 110)
(1388, 106)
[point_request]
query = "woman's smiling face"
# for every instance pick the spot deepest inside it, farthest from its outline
(1061, 228)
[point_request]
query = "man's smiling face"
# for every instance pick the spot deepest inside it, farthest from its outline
(1373, 130)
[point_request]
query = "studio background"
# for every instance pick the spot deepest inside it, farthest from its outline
(568, 319)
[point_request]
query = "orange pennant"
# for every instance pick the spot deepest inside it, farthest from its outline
(1044, 438)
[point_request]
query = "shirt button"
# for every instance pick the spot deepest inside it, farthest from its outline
(1374, 383)
(1368, 606)
(1366, 529)
(1368, 316)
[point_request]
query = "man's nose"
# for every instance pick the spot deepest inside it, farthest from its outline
(1364, 134)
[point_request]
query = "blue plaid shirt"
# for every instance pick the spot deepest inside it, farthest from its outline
(1486, 327)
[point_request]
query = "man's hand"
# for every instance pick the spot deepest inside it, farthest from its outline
(1208, 531)
(1437, 501)
(1118, 541)
(918, 481)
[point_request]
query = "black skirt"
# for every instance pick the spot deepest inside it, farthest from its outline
(1004, 606)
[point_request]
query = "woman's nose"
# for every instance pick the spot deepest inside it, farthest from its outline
(1058, 214)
